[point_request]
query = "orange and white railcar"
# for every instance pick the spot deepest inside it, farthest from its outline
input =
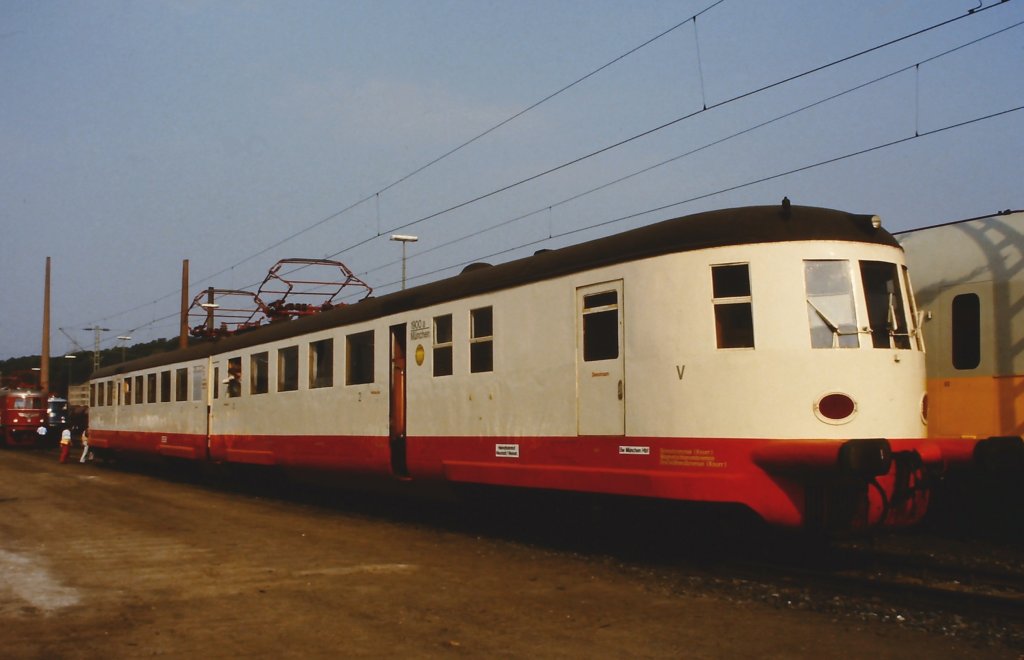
(767, 357)
(970, 279)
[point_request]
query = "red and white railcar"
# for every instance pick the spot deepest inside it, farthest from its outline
(766, 356)
(22, 413)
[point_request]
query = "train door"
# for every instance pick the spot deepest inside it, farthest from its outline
(397, 402)
(600, 374)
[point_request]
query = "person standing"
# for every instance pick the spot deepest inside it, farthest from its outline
(86, 455)
(65, 445)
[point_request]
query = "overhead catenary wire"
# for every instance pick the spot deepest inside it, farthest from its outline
(738, 186)
(586, 156)
(663, 126)
(720, 191)
(548, 207)
(376, 196)
(705, 108)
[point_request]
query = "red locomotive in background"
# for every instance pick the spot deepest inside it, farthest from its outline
(23, 412)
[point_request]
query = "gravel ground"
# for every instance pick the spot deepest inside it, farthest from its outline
(97, 561)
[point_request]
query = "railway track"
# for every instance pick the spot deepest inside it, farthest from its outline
(918, 584)
(971, 596)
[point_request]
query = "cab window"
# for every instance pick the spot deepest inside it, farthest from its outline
(733, 303)
(830, 304)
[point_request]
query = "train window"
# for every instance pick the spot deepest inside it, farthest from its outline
(884, 298)
(321, 363)
(138, 389)
(443, 345)
(99, 395)
(92, 394)
(216, 382)
(128, 391)
(165, 386)
(26, 403)
(288, 369)
(234, 382)
(830, 307)
(198, 378)
(966, 331)
(734, 317)
(120, 391)
(481, 340)
(601, 326)
(181, 384)
(150, 388)
(110, 392)
(359, 358)
(259, 368)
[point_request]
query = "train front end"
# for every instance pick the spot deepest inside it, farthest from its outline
(807, 402)
(22, 414)
(861, 383)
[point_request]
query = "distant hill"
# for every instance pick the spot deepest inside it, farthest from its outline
(19, 370)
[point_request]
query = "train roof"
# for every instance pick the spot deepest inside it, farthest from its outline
(726, 227)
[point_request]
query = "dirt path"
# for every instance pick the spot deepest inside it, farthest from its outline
(97, 562)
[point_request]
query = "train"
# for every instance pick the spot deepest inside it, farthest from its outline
(768, 358)
(23, 414)
(970, 282)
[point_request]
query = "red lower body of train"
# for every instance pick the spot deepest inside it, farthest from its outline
(809, 484)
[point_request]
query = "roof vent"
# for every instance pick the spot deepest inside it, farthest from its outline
(475, 266)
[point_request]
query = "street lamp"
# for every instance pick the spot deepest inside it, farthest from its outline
(209, 306)
(403, 239)
(69, 357)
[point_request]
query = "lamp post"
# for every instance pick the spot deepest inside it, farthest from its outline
(67, 361)
(210, 306)
(403, 239)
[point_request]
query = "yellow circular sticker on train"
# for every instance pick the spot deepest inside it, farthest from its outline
(420, 354)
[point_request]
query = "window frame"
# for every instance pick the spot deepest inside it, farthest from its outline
(882, 335)
(288, 368)
(181, 384)
(846, 334)
(965, 331)
(359, 358)
(481, 346)
(729, 335)
(259, 373)
(165, 386)
(234, 388)
(321, 363)
(596, 330)
(443, 350)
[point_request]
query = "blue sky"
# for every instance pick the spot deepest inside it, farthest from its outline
(138, 134)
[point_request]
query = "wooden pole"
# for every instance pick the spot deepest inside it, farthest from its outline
(183, 330)
(44, 361)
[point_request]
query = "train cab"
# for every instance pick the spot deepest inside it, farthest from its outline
(23, 413)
